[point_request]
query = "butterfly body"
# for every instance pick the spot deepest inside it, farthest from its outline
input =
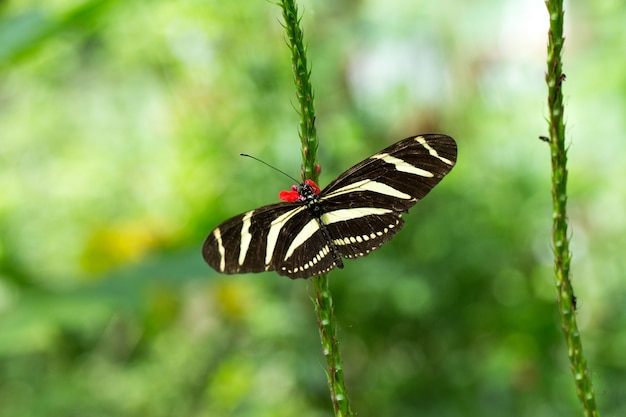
(312, 230)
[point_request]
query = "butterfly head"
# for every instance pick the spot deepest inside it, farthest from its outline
(300, 193)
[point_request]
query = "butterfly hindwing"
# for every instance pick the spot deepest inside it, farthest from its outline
(356, 237)
(307, 251)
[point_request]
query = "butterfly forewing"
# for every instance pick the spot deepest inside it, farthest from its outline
(354, 215)
(355, 237)
(412, 166)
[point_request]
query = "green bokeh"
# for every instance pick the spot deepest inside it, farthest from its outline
(120, 129)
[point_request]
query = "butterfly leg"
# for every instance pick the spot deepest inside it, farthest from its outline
(334, 251)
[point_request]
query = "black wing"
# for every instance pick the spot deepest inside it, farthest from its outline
(363, 207)
(281, 237)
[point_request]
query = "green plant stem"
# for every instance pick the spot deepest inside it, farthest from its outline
(560, 239)
(322, 299)
(304, 90)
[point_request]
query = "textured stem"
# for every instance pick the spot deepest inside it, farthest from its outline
(322, 299)
(566, 300)
(327, 324)
(304, 90)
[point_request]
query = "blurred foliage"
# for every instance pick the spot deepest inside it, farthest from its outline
(121, 128)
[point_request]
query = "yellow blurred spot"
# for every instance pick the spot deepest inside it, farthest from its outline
(116, 245)
(233, 299)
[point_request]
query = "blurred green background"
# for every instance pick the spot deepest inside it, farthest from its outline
(120, 129)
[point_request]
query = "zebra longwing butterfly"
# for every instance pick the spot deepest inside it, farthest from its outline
(311, 231)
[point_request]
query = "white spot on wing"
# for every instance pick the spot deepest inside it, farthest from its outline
(369, 185)
(220, 248)
(275, 227)
(433, 152)
(403, 166)
(343, 215)
(246, 237)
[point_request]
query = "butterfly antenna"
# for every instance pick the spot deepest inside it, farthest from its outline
(273, 167)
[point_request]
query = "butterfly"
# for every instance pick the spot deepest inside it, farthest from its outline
(312, 230)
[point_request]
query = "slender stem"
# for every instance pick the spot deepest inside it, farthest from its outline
(566, 300)
(304, 90)
(327, 324)
(322, 299)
